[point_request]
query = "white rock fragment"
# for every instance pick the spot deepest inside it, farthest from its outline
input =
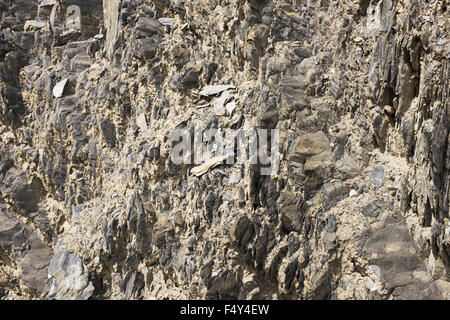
(58, 89)
(201, 106)
(211, 163)
(33, 24)
(69, 277)
(166, 21)
(215, 89)
(230, 107)
(141, 121)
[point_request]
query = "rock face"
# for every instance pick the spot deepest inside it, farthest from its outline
(69, 278)
(92, 206)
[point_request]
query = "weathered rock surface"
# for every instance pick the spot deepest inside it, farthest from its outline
(93, 207)
(69, 278)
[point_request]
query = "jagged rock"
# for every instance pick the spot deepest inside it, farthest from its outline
(210, 163)
(242, 231)
(190, 79)
(291, 217)
(377, 176)
(80, 63)
(133, 284)
(146, 27)
(373, 209)
(27, 195)
(109, 132)
(332, 193)
(293, 94)
(310, 145)
(331, 223)
(356, 206)
(34, 264)
(9, 227)
(69, 278)
(317, 161)
(141, 121)
(146, 48)
(14, 236)
(392, 249)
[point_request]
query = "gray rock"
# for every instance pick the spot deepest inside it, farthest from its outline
(361, 188)
(146, 27)
(242, 231)
(309, 145)
(8, 227)
(392, 249)
(76, 212)
(34, 264)
(35, 254)
(333, 192)
(109, 132)
(190, 78)
(44, 3)
(293, 96)
(69, 278)
(27, 195)
(33, 25)
(166, 21)
(146, 48)
(291, 217)
(80, 63)
(331, 223)
(373, 209)
(133, 284)
(377, 176)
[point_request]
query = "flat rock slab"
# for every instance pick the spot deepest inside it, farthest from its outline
(310, 144)
(392, 249)
(166, 21)
(215, 89)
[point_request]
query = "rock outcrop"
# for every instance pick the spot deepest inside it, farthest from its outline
(92, 206)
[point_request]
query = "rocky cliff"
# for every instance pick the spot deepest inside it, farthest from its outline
(92, 206)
